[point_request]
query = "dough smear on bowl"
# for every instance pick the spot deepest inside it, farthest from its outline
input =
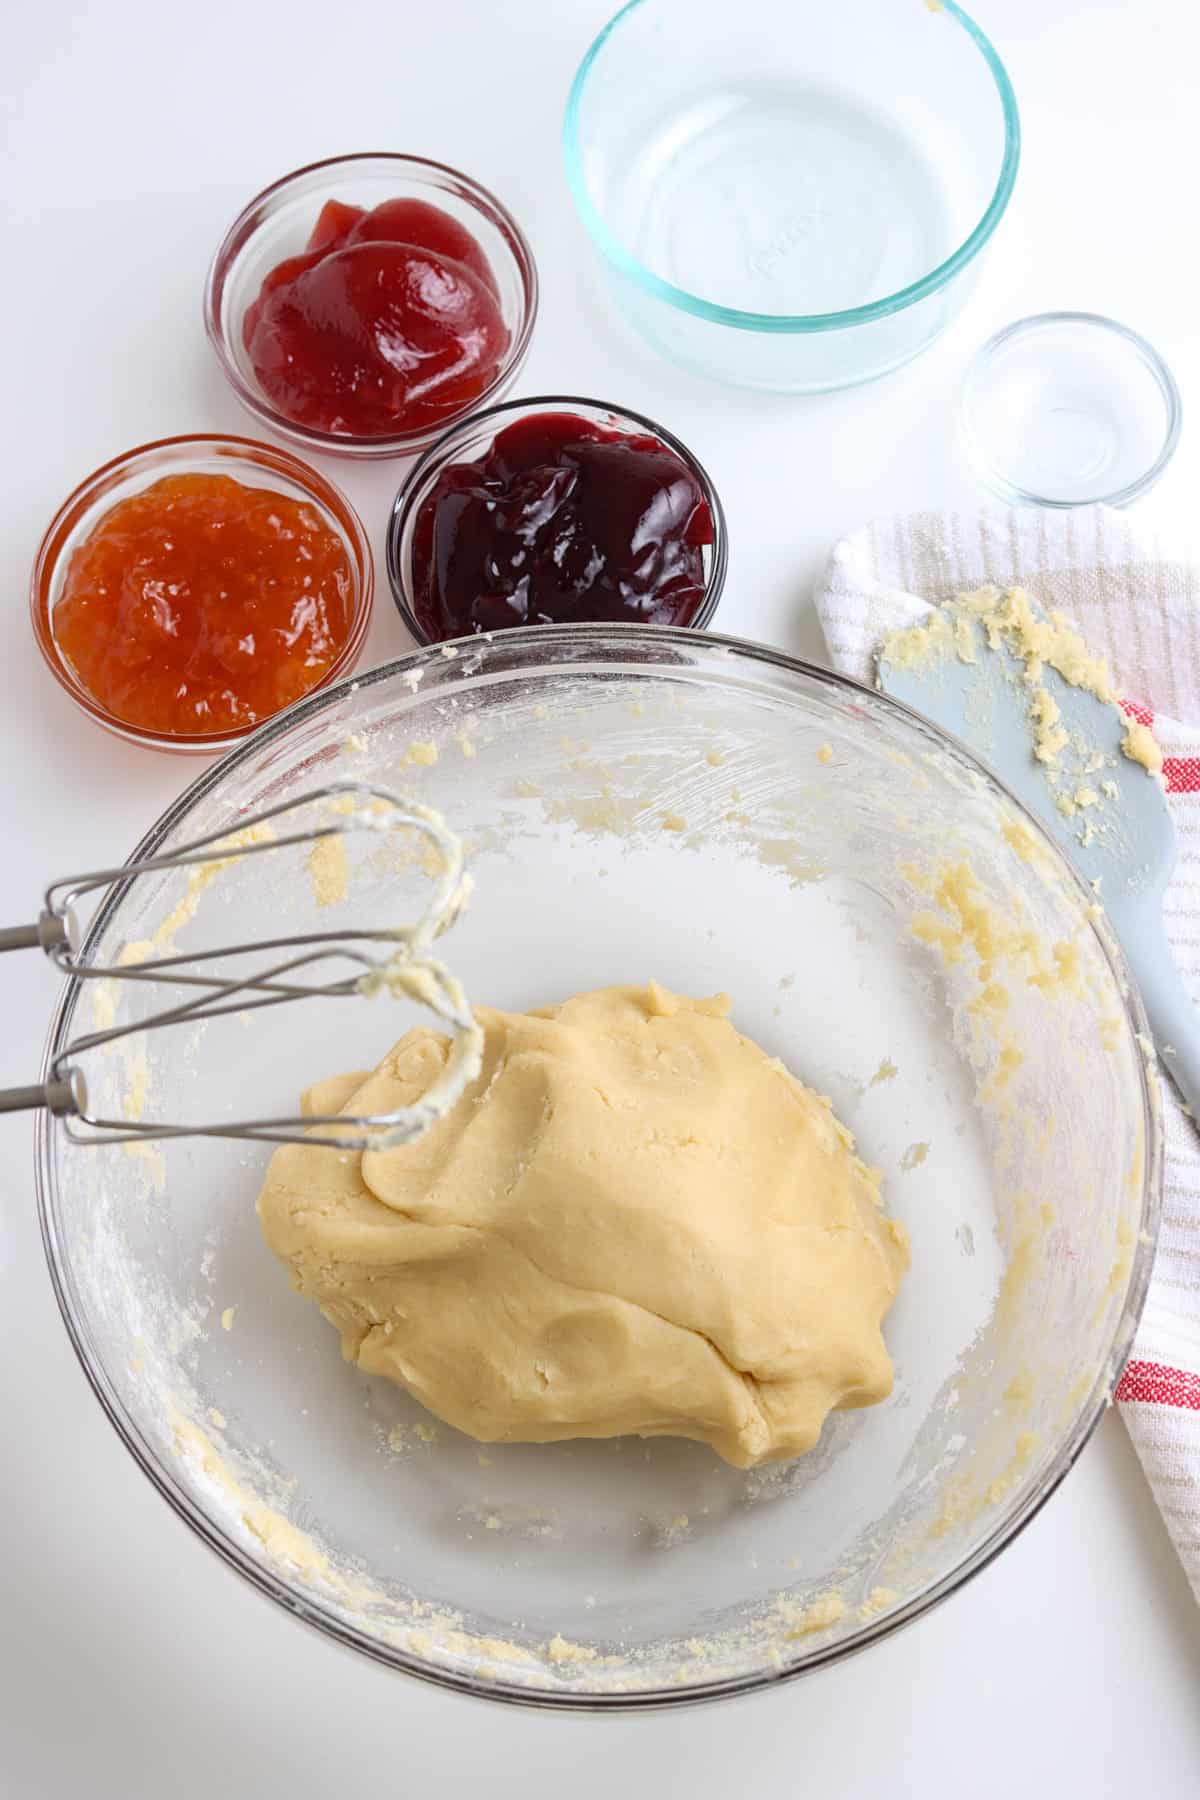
(634, 1220)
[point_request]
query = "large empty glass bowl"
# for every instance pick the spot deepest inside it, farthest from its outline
(791, 194)
(638, 803)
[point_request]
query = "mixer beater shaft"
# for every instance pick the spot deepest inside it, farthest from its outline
(308, 965)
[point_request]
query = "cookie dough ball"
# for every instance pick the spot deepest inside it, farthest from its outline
(633, 1221)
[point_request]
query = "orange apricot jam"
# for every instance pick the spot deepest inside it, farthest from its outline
(204, 605)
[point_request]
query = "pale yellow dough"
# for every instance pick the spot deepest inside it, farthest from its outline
(633, 1221)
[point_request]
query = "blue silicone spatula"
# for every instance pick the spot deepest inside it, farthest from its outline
(1123, 839)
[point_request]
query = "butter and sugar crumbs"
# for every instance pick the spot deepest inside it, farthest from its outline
(329, 869)
(877, 1601)
(803, 1621)
(1141, 746)
(1018, 837)
(965, 927)
(562, 1650)
(1010, 621)
(199, 879)
(421, 755)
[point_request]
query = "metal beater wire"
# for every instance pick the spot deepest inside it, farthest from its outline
(407, 968)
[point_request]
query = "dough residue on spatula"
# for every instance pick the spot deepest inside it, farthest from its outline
(1011, 621)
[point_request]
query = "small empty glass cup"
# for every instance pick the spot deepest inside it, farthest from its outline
(791, 194)
(1069, 409)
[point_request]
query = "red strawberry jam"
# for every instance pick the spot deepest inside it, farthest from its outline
(389, 322)
(561, 521)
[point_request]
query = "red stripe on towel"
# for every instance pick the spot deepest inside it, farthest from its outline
(1156, 1385)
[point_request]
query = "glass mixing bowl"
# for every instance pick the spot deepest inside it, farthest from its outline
(788, 194)
(639, 803)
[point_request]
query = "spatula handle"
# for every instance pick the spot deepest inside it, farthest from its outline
(1174, 1019)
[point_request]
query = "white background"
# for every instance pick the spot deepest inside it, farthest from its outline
(132, 1664)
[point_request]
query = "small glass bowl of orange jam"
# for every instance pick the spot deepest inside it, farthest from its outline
(194, 587)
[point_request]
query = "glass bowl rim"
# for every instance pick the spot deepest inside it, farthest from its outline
(240, 233)
(310, 1610)
(660, 289)
(1150, 358)
(441, 451)
(269, 459)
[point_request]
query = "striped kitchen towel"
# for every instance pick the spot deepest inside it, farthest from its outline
(1140, 608)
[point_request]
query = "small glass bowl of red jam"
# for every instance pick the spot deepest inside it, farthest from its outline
(554, 511)
(364, 304)
(195, 587)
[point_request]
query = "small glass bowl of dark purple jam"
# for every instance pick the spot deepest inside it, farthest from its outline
(555, 511)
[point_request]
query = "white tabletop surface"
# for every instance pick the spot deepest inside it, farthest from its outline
(131, 1662)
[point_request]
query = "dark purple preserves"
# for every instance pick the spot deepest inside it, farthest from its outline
(561, 521)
